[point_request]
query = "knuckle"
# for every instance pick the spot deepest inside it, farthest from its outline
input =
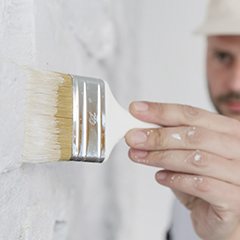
(158, 109)
(193, 136)
(190, 113)
(160, 156)
(160, 138)
(199, 159)
(162, 112)
(163, 158)
(190, 202)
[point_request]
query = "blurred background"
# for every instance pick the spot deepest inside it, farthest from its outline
(172, 56)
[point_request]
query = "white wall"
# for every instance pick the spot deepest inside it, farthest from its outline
(122, 42)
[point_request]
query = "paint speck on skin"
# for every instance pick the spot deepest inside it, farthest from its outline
(197, 180)
(172, 179)
(197, 156)
(177, 136)
(179, 178)
(188, 179)
(191, 132)
(149, 132)
(145, 161)
(176, 178)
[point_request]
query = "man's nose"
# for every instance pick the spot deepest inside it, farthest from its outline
(234, 83)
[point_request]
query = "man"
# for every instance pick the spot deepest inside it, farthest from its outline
(200, 150)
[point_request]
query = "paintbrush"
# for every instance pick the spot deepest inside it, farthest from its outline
(70, 117)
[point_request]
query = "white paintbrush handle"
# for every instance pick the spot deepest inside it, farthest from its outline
(118, 122)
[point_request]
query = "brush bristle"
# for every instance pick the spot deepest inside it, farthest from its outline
(48, 118)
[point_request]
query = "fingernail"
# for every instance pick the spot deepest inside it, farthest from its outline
(137, 137)
(139, 155)
(162, 176)
(140, 106)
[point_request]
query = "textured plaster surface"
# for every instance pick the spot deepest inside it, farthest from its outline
(11, 121)
(71, 201)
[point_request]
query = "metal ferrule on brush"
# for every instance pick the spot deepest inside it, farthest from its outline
(88, 142)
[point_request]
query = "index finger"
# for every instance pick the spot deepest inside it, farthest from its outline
(172, 115)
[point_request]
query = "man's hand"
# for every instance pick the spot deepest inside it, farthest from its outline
(200, 152)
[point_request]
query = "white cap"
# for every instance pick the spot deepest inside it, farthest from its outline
(222, 18)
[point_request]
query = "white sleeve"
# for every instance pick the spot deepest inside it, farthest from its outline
(182, 228)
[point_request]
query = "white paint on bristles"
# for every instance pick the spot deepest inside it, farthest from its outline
(41, 132)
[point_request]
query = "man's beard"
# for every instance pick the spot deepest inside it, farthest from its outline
(223, 98)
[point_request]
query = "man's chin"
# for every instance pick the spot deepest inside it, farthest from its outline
(231, 110)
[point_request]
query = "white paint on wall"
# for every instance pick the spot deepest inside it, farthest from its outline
(71, 201)
(35, 211)
(17, 31)
(40, 201)
(17, 44)
(86, 34)
(11, 120)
